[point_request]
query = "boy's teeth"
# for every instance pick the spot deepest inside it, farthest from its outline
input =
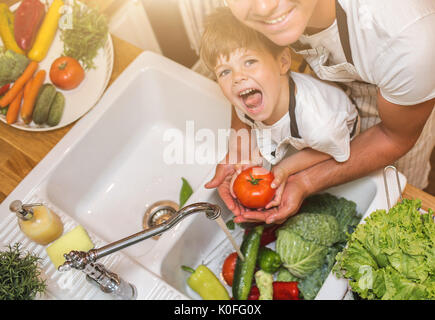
(247, 91)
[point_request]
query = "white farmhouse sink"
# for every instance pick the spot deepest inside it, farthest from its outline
(111, 166)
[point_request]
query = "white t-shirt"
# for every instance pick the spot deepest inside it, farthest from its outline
(392, 44)
(325, 117)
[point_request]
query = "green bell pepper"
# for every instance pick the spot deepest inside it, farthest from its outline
(268, 260)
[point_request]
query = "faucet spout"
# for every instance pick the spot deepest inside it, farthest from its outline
(212, 211)
(79, 260)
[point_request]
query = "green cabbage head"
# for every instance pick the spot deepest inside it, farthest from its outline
(304, 241)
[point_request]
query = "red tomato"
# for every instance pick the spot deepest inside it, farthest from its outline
(228, 268)
(66, 73)
(252, 187)
(268, 235)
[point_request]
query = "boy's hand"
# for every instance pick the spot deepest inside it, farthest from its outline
(278, 183)
(222, 181)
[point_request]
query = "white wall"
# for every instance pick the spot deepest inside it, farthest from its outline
(131, 24)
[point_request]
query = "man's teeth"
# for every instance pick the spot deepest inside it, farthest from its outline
(277, 20)
(247, 91)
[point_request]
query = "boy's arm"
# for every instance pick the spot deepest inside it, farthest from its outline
(299, 161)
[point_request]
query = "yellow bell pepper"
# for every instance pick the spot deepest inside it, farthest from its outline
(47, 32)
(7, 29)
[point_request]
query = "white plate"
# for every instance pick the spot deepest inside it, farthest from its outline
(81, 99)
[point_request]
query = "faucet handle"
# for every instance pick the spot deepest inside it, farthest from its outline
(77, 260)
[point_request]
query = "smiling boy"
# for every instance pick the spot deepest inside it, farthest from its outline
(284, 108)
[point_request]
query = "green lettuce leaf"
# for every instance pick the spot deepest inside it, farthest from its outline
(391, 255)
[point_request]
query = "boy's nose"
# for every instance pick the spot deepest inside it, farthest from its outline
(264, 8)
(239, 77)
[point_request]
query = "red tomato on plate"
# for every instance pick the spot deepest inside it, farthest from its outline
(66, 73)
(252, 187)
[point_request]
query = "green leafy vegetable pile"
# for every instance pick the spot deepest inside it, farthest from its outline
(12, 65)
(309, 241)
(392, 255)
(19, 275)
(87, 35)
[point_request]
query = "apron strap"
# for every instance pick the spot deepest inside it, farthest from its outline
(294, 131)
(343, 31)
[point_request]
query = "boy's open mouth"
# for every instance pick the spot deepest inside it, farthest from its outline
(253, 99)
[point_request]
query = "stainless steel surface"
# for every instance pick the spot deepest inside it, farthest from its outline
(386, 184)
(109, 282)
(211, 211)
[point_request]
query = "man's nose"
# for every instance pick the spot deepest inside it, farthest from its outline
(264, 8)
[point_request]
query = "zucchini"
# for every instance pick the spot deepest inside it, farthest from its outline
(56, 110)
(244, 271)
(43, 102)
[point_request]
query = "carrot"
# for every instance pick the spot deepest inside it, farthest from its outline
(14, 108)
(19, 84)
(31, 95)
(27, 87)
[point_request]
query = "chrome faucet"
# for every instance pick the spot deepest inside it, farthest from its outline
(110, 282)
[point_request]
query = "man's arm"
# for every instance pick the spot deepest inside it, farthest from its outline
(374, 149)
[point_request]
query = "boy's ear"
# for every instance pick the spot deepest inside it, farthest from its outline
(285, 61)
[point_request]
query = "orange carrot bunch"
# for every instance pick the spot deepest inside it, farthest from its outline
(23, 94)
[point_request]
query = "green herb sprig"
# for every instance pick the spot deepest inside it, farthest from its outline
(19, 274)
(88, 34)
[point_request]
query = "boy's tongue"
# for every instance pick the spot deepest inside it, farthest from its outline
(253, 100)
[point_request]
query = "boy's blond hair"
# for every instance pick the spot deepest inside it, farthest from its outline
(223, 34)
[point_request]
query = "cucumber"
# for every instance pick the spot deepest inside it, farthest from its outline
(244, 271)
(56, 110)
(43, 102)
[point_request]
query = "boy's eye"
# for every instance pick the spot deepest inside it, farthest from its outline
(223, 73)
(250, 62)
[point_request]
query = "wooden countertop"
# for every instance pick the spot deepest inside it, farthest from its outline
(21, 151)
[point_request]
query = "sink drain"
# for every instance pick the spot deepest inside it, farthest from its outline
(158, 213)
